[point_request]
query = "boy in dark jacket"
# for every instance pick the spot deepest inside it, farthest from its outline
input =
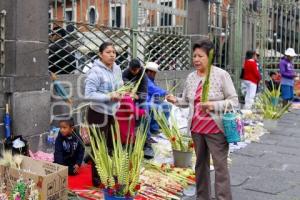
(68, 148)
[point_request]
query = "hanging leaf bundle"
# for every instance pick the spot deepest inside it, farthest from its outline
(205, 90)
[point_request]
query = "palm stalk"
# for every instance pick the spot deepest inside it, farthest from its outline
(269, 108)
(205, 90)
(178, 141)
(136, 86)
(120, 171)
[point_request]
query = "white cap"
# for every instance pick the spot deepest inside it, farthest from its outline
(290, 52)
(152, 66)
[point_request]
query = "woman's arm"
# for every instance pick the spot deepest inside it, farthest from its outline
(230, 95)
(91, 92)
(180, 101)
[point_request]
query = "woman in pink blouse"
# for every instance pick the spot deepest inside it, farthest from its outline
(205, 121)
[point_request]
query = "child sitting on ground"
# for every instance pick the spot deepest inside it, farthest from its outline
(69, 150)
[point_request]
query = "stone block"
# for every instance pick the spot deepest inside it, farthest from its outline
(6, 84)
(35, 12)
(10, 58)
(22, 84)
(31, 112)
(31, 59)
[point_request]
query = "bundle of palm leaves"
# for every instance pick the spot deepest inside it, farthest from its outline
(119, 172)
(268, 103)
(178, 141)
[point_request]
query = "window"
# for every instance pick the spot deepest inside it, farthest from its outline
(116, 16)
(92, 16)
(69, 15)
(166, 18)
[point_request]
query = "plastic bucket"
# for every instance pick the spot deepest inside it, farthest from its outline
(108, 197)
(270, 124)
(274, 101)
(182, 159)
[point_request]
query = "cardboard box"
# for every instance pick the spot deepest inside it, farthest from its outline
(51, 179)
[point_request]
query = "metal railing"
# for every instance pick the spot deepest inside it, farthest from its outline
(138, 28)
(2, 41)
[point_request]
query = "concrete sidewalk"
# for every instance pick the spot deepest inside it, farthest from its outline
(269, 169)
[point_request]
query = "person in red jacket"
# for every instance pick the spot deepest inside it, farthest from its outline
(126, 116)
(251, 78)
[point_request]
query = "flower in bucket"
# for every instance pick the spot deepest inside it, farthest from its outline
(178, 141)
(119, 172)
(191, 145)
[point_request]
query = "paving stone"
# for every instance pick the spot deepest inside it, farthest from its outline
(270, 168)
(275, 184)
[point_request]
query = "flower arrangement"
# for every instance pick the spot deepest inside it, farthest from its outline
(205, 90)
(178, 141)
(22, 189)
(119, 172)
(270, 108)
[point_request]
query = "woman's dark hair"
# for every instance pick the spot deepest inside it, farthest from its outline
(206, 45)
(250, 54)
(68, 120)
(104, 45)
(271, 73)
(135, 63)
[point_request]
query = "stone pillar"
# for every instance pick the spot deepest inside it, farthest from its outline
(24, 83)
(197, 23)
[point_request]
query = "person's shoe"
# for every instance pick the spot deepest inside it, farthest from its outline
(148, 152)
(155, 132)
(96, 182)
(151, 140)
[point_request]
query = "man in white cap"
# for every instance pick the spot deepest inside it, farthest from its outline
(288, 74)
(155, 97)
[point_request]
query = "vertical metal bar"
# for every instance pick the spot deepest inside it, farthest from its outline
(238, 42)
(226, 44)
(81, 11)
(276, 27)
(186, 4)
(285, 29)
(290, 17)
(73, 14)
(295, 19)
(102, 12)
(271, 32)
(134, 26)
(55, 9)
(2, 41)
(64, 9)
(115, 8)
(281, 27)
(298, 30)
(88, 10)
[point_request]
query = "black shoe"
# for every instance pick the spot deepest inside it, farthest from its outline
(148, 152)
(155, 132)
(151, 140)
(96, 182)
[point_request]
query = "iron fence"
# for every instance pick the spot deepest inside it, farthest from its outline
(150, 31)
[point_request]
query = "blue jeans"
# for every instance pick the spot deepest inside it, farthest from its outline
(287, 92)
(163, 107)
(146, 119)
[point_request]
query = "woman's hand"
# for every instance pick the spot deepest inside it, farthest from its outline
(115, 96)
(171, 98)
(207, 106)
